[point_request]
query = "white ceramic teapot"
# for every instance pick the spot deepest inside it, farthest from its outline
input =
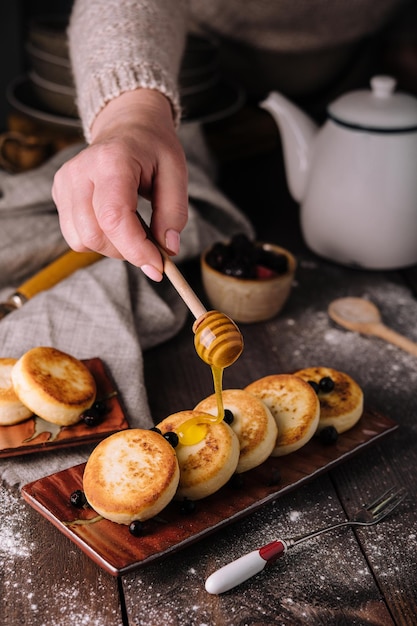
(356, 177)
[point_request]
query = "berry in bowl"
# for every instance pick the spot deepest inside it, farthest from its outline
(248, 281)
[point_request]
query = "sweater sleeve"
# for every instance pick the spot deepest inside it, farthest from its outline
(117, 46)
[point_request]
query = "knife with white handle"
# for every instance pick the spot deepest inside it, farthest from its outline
(245, 567)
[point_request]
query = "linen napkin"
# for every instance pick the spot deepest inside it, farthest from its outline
(108, 310)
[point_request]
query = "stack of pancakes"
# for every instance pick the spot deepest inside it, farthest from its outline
(45, 382)
(132, 475)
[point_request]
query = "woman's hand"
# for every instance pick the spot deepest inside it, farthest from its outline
(134, 149)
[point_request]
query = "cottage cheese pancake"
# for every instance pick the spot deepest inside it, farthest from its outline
(294, 406)
(252, 422)
(12, 411)
(131, 475)
(341, 404)
(205, 466)
(54, 385)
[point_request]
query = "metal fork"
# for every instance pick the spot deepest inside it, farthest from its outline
(246, 566)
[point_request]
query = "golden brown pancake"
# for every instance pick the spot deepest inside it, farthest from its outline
(205, 466)
(54, 385)
(294, 406)
(253, 424)
(12, 411)
(131, 475)
(341, 407)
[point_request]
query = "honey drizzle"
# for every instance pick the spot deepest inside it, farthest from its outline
(194, 430)
(218, 342)
(218, 389)
(84, 522)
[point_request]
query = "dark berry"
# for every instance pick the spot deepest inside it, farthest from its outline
(243, 258)
(235, 258)
(188, 506)
(78, 499)
(156, 430)
(326, 384)
(241, 243)
(218, 255)
(92, 417)
(243, 250)
(315, 385)
(276, 262)
(237, 481)
(328, 435)
(275, 478)
(172, 438)
(136, 528)
(228, 416)
(100, 406)
(239, 268)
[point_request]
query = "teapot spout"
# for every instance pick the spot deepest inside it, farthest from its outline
(297, 132)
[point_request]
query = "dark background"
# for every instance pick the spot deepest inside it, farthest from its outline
(15, 15)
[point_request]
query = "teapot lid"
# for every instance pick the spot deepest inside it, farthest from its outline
(379, 109)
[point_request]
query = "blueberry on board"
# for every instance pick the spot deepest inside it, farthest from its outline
(136, 528)
(328, 435)
(237, 481)
(275, 478)
(92, 417)
(78, 499)
(100, 406)
(187, 506)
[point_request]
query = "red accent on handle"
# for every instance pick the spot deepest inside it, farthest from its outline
(272, 551)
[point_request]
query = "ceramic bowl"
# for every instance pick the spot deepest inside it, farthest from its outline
(248, 300)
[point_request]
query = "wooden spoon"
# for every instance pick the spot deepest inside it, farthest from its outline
(364, 317)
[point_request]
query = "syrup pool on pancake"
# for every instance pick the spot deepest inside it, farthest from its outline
(219, 343)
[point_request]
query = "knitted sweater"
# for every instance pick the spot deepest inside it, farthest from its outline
(120, 45)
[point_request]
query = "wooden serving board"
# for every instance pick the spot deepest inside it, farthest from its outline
(114, 549)
(35, 435)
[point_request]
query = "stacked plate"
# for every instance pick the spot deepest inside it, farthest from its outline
(205, 95)
(50, 70)
(47, 92)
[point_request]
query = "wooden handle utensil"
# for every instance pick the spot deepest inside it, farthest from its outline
(364, 317)
(52, 274)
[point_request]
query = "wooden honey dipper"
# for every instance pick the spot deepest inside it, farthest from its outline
(217, 339)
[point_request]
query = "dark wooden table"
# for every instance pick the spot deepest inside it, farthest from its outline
(349, 577)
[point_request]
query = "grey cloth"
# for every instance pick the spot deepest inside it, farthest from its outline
(108, 310)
